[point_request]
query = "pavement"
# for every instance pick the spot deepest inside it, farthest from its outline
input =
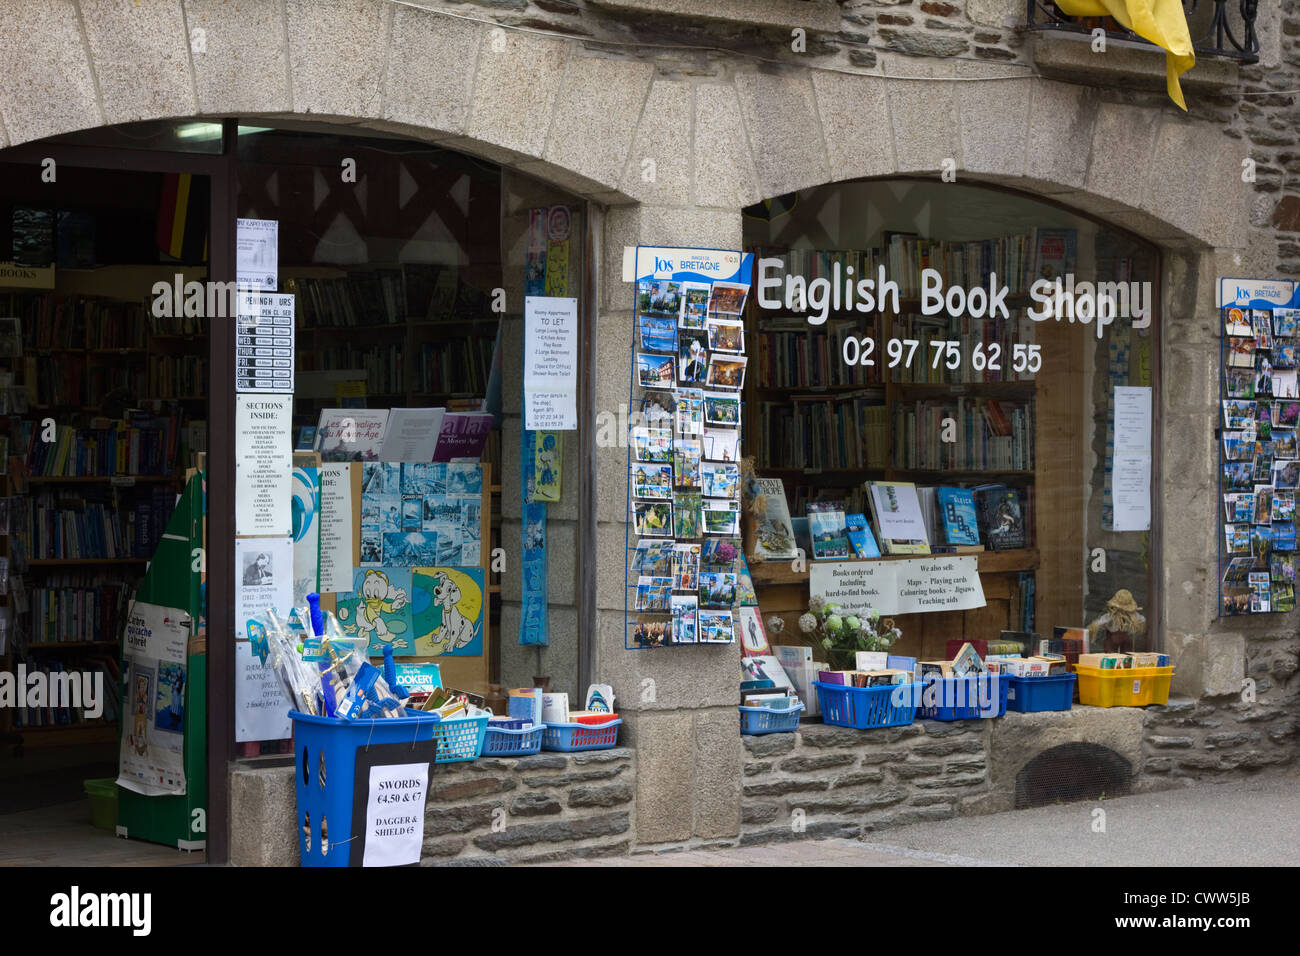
(1253, 821)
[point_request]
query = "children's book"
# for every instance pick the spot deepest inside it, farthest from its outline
(897, 512)
(861, 539)
(958, 516)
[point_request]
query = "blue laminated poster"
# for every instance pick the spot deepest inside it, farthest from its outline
(860, 536)
(957, 508)
(533, 624)
(378, 607)
(447, 611)
(306, 533)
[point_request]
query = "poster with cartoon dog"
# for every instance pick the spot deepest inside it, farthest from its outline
(448, 611)
(379, 607)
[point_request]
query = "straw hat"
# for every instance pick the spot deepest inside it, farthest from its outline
(1123, 601)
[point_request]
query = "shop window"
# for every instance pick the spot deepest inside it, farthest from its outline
(1043, 414)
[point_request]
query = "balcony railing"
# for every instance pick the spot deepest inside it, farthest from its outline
(1218, 34)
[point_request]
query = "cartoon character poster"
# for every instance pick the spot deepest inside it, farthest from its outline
(448, 611)
(379, 608)
(546, 471)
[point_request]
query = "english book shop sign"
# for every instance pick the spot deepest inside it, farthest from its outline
(1062, 298)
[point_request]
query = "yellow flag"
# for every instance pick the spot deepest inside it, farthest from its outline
(1162, 22)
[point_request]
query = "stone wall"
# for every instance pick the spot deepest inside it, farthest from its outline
(550, 806)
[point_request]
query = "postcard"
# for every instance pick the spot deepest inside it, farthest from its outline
(1236, 474)
(1286, 474)
(1283, 537)
(694, 306)
(1237, 413)
(658, 297)
(658, 408)
(654, 558)
(1263, 504)
(1239, 506)
(1284, 443)
(686, 566)
(416, 549)
(652, 480)
(725, 336)
(654, 371)
(1236, 538)
(658, 333)
(1285, 414)
(726, 371)
(716, 627)
(653, 519)
(717, 589)
(1236, 322)
(424, 478)
(1283, 505)
(686, 464)
(1286, 356)
(654, 594)
(686, 516)
(652, 444)
(652, 631)
(721, 520)
(685, 608)
(692, 356)
(690, 412)
(720, 479)
(1285, 324)
(1284, 382)
(465, 478)
(1262, 325)
(728, 298)
(1241, 352)
(723, 408)
(721, 444)
(1239, 382)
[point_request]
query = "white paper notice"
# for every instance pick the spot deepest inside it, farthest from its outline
(550, 363)
(1131, 465)
(263, 464)
(257, 253)
(335, 528)
(265, 570)
(261, 712)
(912, 586)
(264, 343)
(395, 814)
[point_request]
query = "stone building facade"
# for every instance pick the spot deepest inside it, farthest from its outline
(764, 97)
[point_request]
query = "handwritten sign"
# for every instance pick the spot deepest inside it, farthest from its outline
(914, 586)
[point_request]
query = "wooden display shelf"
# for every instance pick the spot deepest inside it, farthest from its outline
(82, 562)
(95, 479)
(990, 562)
(67, 734)
(52, 645)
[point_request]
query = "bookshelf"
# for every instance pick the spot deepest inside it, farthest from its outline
(846, 424)
(114, 402)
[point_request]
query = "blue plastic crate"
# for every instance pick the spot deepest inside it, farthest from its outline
(769, 720)
(1030, 695)
(460, 738)
(567, 738)
(864, 708)
(325, 753)
(508, 742)
(959, 698)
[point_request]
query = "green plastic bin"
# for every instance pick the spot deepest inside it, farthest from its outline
(103, 802)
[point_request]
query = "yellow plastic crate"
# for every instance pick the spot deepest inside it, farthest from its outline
(1124, 687)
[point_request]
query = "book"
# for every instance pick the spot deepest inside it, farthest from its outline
(765, 667)
(861, 539)
(1001, 517)
(350, 434)
(555, 708)
(897, 513)
(411, 434)
(753, 636)
(829, 533)
(957, 516)
(1054, 252)
(773, 531)
(462, 435)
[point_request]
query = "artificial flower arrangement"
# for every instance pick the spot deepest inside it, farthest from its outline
(843, 635)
